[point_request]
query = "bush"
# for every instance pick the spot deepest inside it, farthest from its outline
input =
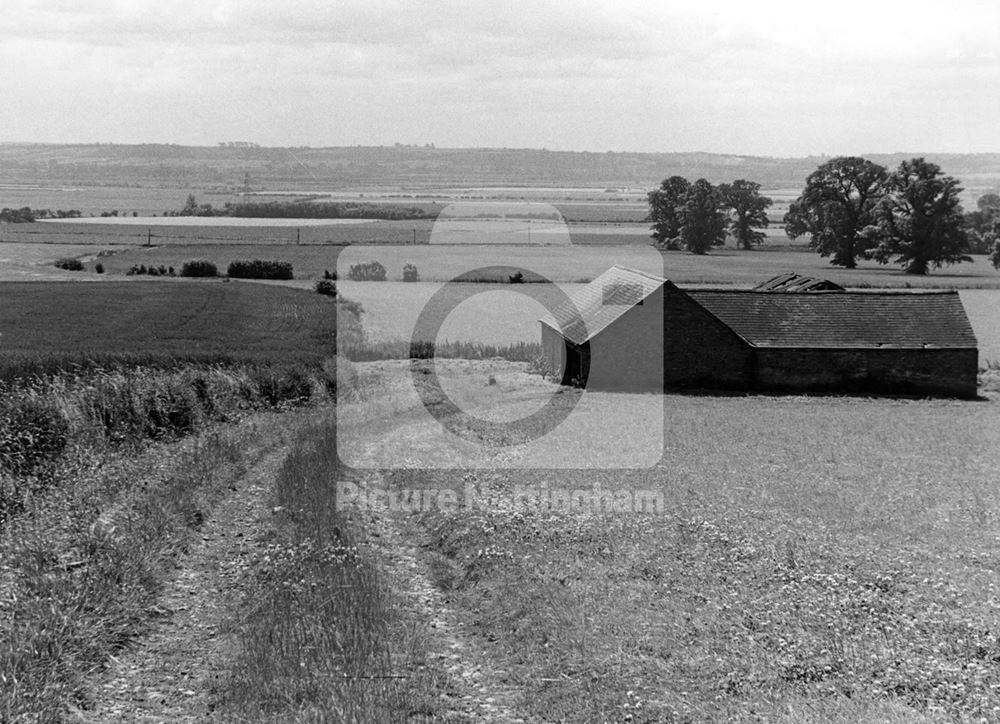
(410, 273)
(331, 275)
(326, 288)
(70, 264)
(198, 268)
(260, 269)
(99, 268)
(371, 271)
(281, 385)
(516, 278)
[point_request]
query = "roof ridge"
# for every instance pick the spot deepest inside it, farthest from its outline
(881, 291)
(633, 270)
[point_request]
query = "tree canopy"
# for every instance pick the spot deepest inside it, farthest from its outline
(983, 224)
(836, 205)
(702, 220)
(918, 223)
(748, 211)
(664, 207)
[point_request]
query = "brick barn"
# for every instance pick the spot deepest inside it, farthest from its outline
(629, 330)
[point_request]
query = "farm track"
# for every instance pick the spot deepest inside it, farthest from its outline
(170, 674)
(475, 692)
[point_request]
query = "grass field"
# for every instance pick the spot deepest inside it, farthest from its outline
(835, 561)
(187, 320)
(562, 263)
(27, 262)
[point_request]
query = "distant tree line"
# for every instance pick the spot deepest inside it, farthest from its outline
(26, 214)
(303, 210)
(850, 209)
(697, 216)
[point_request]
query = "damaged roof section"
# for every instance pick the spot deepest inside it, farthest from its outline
(790, 282)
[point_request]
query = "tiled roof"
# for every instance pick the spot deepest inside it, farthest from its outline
(601, 302)
(792, 282)
(848, 319)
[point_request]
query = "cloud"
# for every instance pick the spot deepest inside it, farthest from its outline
(768, 77)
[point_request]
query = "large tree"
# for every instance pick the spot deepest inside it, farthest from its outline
(702, 219)
(664, 205)
(748, 211)
(836, 205)
(919, 221)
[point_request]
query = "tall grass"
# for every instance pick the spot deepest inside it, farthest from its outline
(47, 418)
(323, 641)
(365, 351)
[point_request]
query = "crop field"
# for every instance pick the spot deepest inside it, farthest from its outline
(160, 231)
(186, 320)
(724, 266)
(836, 561)
(145, 201)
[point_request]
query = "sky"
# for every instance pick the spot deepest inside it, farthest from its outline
(769, 78)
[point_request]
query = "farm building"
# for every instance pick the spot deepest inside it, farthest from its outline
(630, 330)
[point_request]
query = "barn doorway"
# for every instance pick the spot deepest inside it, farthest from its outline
(577, 364)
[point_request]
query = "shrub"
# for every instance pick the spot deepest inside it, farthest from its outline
(99, 268)
(276, 385)
(516, 278)
(171, 409)
(410, 273)
(326, 288)
(371, 271)
(198, 268)
(540, 366)
(260, 269)
(331, 275)
(70, 264)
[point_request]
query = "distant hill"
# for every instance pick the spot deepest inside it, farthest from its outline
(419, 167)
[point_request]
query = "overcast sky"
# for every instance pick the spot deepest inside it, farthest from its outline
(765, 78)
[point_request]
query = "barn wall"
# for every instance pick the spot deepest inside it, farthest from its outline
(628, 354)
(699, 350)
(949, 372)
(554, 350)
